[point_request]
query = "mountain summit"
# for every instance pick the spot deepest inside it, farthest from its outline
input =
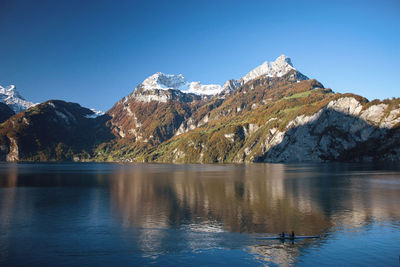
(11, 97)
(278, 68)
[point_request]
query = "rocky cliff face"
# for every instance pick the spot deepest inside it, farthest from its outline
(152, 116)
(344, 130)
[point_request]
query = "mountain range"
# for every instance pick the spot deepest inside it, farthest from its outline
(272, 114)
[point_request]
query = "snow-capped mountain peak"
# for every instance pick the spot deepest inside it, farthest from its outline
(281, 66)
(11, 97)
(163, 81)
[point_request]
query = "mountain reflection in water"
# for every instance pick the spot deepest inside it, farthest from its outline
(253, 198)
(230, 198)
(151, 211)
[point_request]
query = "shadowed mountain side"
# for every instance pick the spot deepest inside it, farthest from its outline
(53, 130)
(330, 135)
(5, 112)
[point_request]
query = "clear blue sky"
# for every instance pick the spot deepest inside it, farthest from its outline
(96, 52)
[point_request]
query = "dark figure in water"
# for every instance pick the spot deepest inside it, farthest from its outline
(292, 235)
(282, 235)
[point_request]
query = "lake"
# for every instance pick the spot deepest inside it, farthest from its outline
(159, 214)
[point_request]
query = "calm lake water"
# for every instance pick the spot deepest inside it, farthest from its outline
(168, 215)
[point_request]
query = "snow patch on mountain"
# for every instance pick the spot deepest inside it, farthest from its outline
(11, 97)
(96, 113)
